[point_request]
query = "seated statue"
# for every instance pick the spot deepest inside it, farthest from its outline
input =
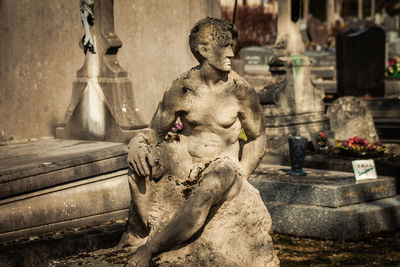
(191, 201)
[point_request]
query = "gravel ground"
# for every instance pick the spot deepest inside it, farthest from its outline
(92, 246)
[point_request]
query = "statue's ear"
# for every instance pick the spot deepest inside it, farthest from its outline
(203, 50)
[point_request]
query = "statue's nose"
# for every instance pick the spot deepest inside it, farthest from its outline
(229, 52)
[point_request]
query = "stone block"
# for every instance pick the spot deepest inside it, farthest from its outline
(347, 222)
(320, 187)
(33, 166)
(348, 117)
(327, 204)
(88, 202)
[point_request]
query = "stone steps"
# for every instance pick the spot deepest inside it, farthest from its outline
(100, 197)
(327, 204)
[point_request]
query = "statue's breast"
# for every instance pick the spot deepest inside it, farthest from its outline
(212, 108)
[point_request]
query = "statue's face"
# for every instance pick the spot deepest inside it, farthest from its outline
(221, 54)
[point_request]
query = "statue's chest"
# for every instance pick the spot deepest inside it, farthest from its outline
(221, 108)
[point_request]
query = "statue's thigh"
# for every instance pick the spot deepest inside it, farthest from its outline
(175, 159)
(221, 179)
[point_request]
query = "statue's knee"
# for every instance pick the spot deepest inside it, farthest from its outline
(224, 169)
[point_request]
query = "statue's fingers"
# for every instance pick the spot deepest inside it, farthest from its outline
(139, 166)
(144, 166)
(150, 160)
(132, 164)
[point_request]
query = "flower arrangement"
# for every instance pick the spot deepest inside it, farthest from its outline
(357, 146)
(173, 134)
(178, 127)
(321, 140)
(393, 69)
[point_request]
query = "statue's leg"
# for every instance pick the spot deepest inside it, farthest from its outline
(220, 181)
(136, 228)
(168, 156)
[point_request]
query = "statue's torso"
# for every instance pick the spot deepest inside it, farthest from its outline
(211, 122)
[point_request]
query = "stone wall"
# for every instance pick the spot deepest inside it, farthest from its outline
(40, 56)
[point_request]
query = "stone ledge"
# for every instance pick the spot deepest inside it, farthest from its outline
(33, 166)
(65, 206)
(346, 222)
(321, 188)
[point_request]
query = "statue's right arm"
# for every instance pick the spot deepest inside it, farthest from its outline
(139, 156)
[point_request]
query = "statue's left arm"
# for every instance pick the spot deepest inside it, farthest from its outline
(252, 119)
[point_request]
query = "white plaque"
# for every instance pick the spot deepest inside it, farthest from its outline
(364, 169)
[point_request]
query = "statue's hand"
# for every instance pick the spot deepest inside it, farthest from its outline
(88, 41)
(141, 257)
(140, 159)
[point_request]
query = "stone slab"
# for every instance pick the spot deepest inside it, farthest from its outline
(347, 222)
(32, 166)
(66, 206)
(320, 187)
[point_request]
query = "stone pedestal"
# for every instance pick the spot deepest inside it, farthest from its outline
(297, 107)
(327, 204)
(102, 102)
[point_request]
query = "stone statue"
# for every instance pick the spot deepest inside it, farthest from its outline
(191, 201)
(87, 17)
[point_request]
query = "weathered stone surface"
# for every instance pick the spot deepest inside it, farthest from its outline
(88, 202)
(347, 222)
(33, 166)
(348, 117)
(187, 192)
(102, 103)
(320, 187)
(237, 235)
(293, 96)
(327, 204)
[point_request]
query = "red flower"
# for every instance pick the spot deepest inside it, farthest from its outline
(363, 142)
(322, 134)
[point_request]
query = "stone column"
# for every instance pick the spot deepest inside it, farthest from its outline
(330, 14)
(296, 107)
(360, 9)
(101, 107)
(338, 9)
(288, 31)
(306, 9)
(372, 9)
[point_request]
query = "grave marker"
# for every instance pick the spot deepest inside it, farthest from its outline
(360, 57)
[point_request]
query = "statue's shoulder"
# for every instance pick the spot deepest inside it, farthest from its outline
(240, 87)
(186, 81)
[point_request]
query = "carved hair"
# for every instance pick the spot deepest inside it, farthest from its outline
(210, 30)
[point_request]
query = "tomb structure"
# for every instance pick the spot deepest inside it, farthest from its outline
(101, 106)
(294, 105)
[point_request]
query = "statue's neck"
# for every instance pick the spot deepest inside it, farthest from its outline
(211, 75)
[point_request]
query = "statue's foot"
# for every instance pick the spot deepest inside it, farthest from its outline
(130, 240)
(141, 257)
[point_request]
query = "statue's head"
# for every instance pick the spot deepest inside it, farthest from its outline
(212, 39)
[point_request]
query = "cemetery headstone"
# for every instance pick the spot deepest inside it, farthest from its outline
(317, 31)
(360, 60)
(256, 55)
(348, 117)
(394, 48)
